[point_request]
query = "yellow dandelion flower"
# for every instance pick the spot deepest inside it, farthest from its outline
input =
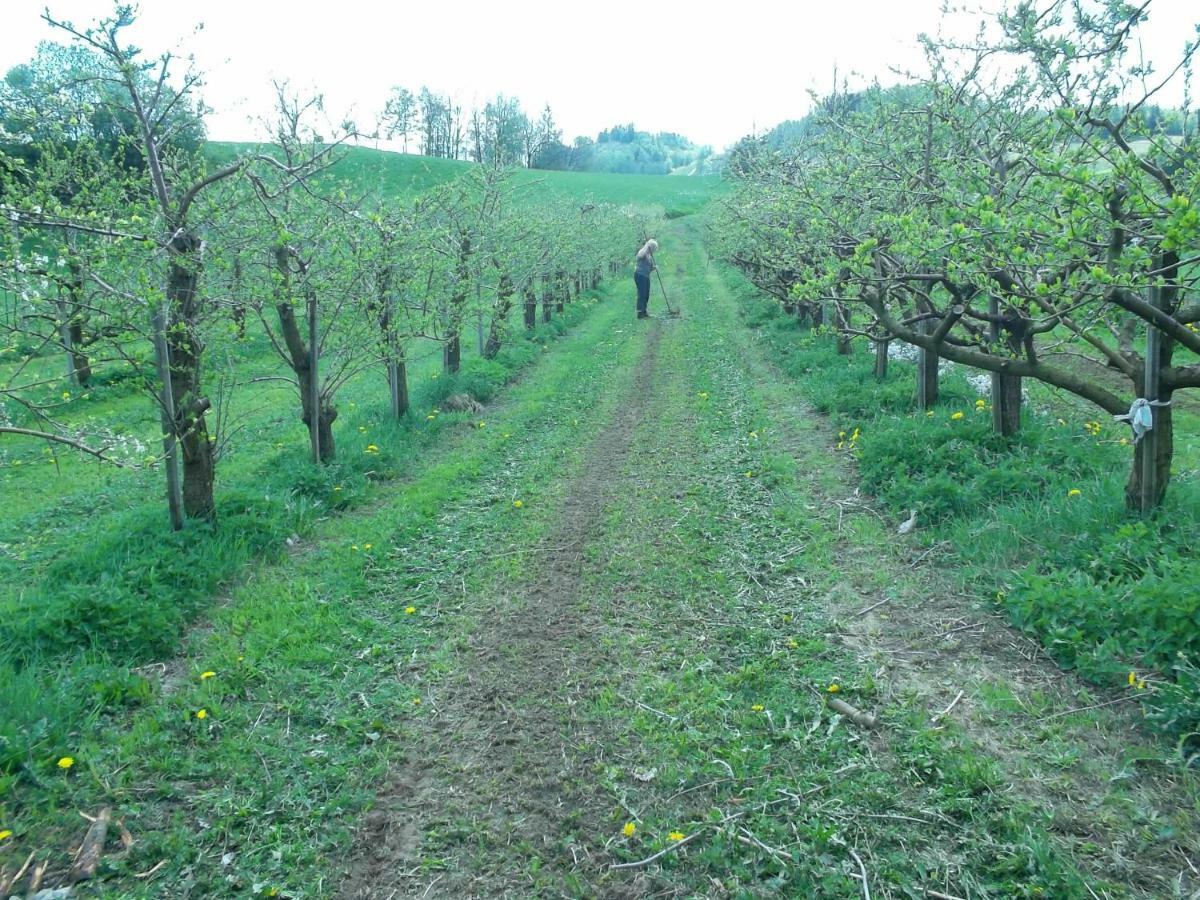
(354, 547)
(66, 762)
(204, 676)
(202, 714)
(1074, 492)
(66, 395)
(629, 829)
(483, 424)
(430, 417)
(362, 429)
(703, 395)
(1132, 678)
(929, 413)
(980, 403)
(1141, 685)
(5, 834)
(368, 546)
(833, 688)
(956, 416)
(792, 644)
(518, 503)
(371, 448)
(337, 488)
(676, 836)
(409, 610)
(416, 701)
(749, 474)
(757, 707)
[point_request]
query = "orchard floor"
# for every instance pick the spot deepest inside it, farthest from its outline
(589, 654)
(639, 706)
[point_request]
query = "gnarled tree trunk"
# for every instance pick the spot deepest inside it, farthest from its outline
(186, 349)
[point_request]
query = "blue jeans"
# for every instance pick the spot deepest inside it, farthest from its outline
(643, 292)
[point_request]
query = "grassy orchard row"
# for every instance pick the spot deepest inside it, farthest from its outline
(1022, 223)
(102, 257)
(1034, 520)
(89, 600)
(314, 633)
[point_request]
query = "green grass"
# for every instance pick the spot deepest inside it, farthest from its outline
(1038, 521)
(407, 175)
(693, 701)
(303, 714)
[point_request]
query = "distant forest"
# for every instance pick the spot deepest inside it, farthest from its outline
(502, 133)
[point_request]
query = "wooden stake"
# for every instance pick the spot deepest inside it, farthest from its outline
(1149, 442)
(162, 363)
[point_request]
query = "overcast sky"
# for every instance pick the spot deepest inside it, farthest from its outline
(711, 74)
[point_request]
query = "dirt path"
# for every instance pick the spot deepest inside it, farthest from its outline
(504, 763)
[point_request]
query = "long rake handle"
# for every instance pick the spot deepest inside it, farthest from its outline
(667, 301)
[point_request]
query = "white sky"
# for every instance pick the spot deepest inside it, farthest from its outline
(712, 74)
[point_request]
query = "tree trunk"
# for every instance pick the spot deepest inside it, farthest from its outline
(504, 295)
(1006, 404)
(316, 412)
(1154, 453)
(185, 352)
(845, 345)
(1006, 389)
(881, 359)
(398, 386)
(451, 355)
(562, 291)
(71, 313)
(927, 371)
(530, 306)
(239, 305)
(547, 298)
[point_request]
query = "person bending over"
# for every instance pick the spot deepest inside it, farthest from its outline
(641, 276)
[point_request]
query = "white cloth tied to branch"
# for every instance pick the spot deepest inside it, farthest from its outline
(1139, 417)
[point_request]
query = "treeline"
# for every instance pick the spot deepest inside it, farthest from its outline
(502, 133)
(128, 252)
(1036, 224)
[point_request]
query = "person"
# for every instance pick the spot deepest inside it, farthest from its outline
(641, 276)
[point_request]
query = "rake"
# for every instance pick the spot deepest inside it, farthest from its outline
(671, 311)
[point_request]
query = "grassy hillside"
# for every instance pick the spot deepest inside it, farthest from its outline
(405, 175)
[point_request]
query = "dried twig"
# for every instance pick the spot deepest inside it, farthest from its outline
(748, 838)
(87, 859)
(863, 870)
(1067, 712)
(938, 895)
(150, 873)
(863, 612)
(857, 716)
(953, 703)
(663, 852)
